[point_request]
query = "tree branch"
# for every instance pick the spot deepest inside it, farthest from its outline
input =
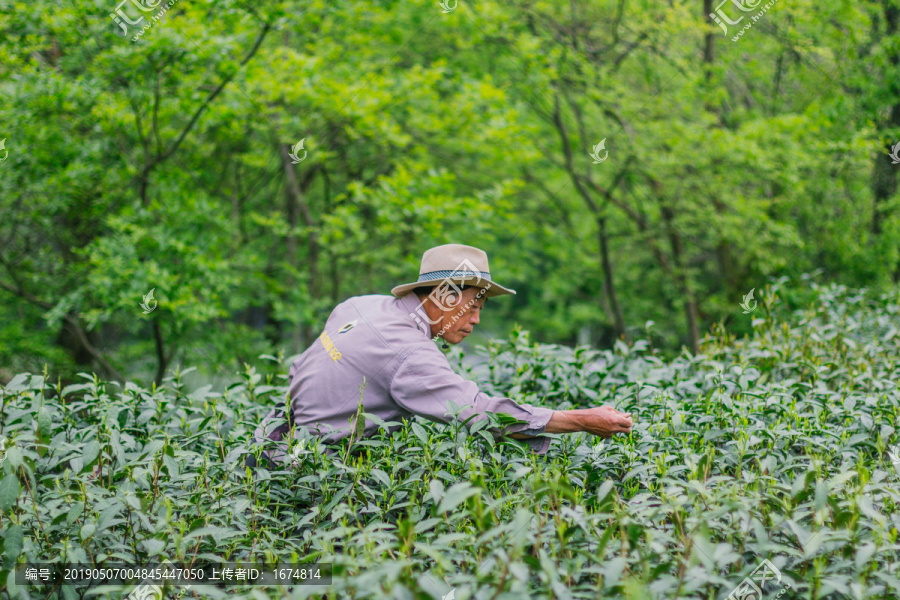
(212, 96)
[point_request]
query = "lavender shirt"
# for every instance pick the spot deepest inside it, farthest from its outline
(375, 336)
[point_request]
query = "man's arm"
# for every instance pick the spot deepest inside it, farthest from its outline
(602, 420)
(424, 383)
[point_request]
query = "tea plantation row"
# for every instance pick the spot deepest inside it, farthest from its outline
(773, 448)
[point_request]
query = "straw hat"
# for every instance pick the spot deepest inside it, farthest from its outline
(457, 264)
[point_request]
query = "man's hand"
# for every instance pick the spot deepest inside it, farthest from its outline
(602, 420)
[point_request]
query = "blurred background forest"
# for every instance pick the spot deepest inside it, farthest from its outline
(620, 162)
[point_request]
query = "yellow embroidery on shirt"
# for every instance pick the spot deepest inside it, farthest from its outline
(329, 347)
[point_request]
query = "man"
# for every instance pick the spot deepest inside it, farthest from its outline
(387, 341)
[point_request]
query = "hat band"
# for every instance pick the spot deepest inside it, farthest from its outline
(432, 275)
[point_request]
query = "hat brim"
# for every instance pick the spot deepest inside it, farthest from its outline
(495, 288)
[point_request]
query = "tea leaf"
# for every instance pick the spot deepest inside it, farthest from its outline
(456, 495)
(9, 491)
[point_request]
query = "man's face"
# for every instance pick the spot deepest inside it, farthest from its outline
(460, 314)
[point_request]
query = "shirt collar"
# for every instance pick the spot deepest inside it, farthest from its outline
(410, 303)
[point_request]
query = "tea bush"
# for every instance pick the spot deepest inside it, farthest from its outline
(773, 447)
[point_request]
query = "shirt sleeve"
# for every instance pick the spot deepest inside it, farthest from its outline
(424, 383)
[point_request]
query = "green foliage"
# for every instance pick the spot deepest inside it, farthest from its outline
(159, 164)
(768, 447)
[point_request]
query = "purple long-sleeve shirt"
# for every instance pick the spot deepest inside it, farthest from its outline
(377, 337)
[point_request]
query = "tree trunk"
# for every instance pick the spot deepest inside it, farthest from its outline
(690, 303)
(723, 249)
(723, 254)
(296, 207)
(292, 214)
(709, 47)
(884, 173)
(609, 288)
(68, 340)
(162, 361)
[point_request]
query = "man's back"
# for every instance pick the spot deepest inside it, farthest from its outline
(365, 336)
